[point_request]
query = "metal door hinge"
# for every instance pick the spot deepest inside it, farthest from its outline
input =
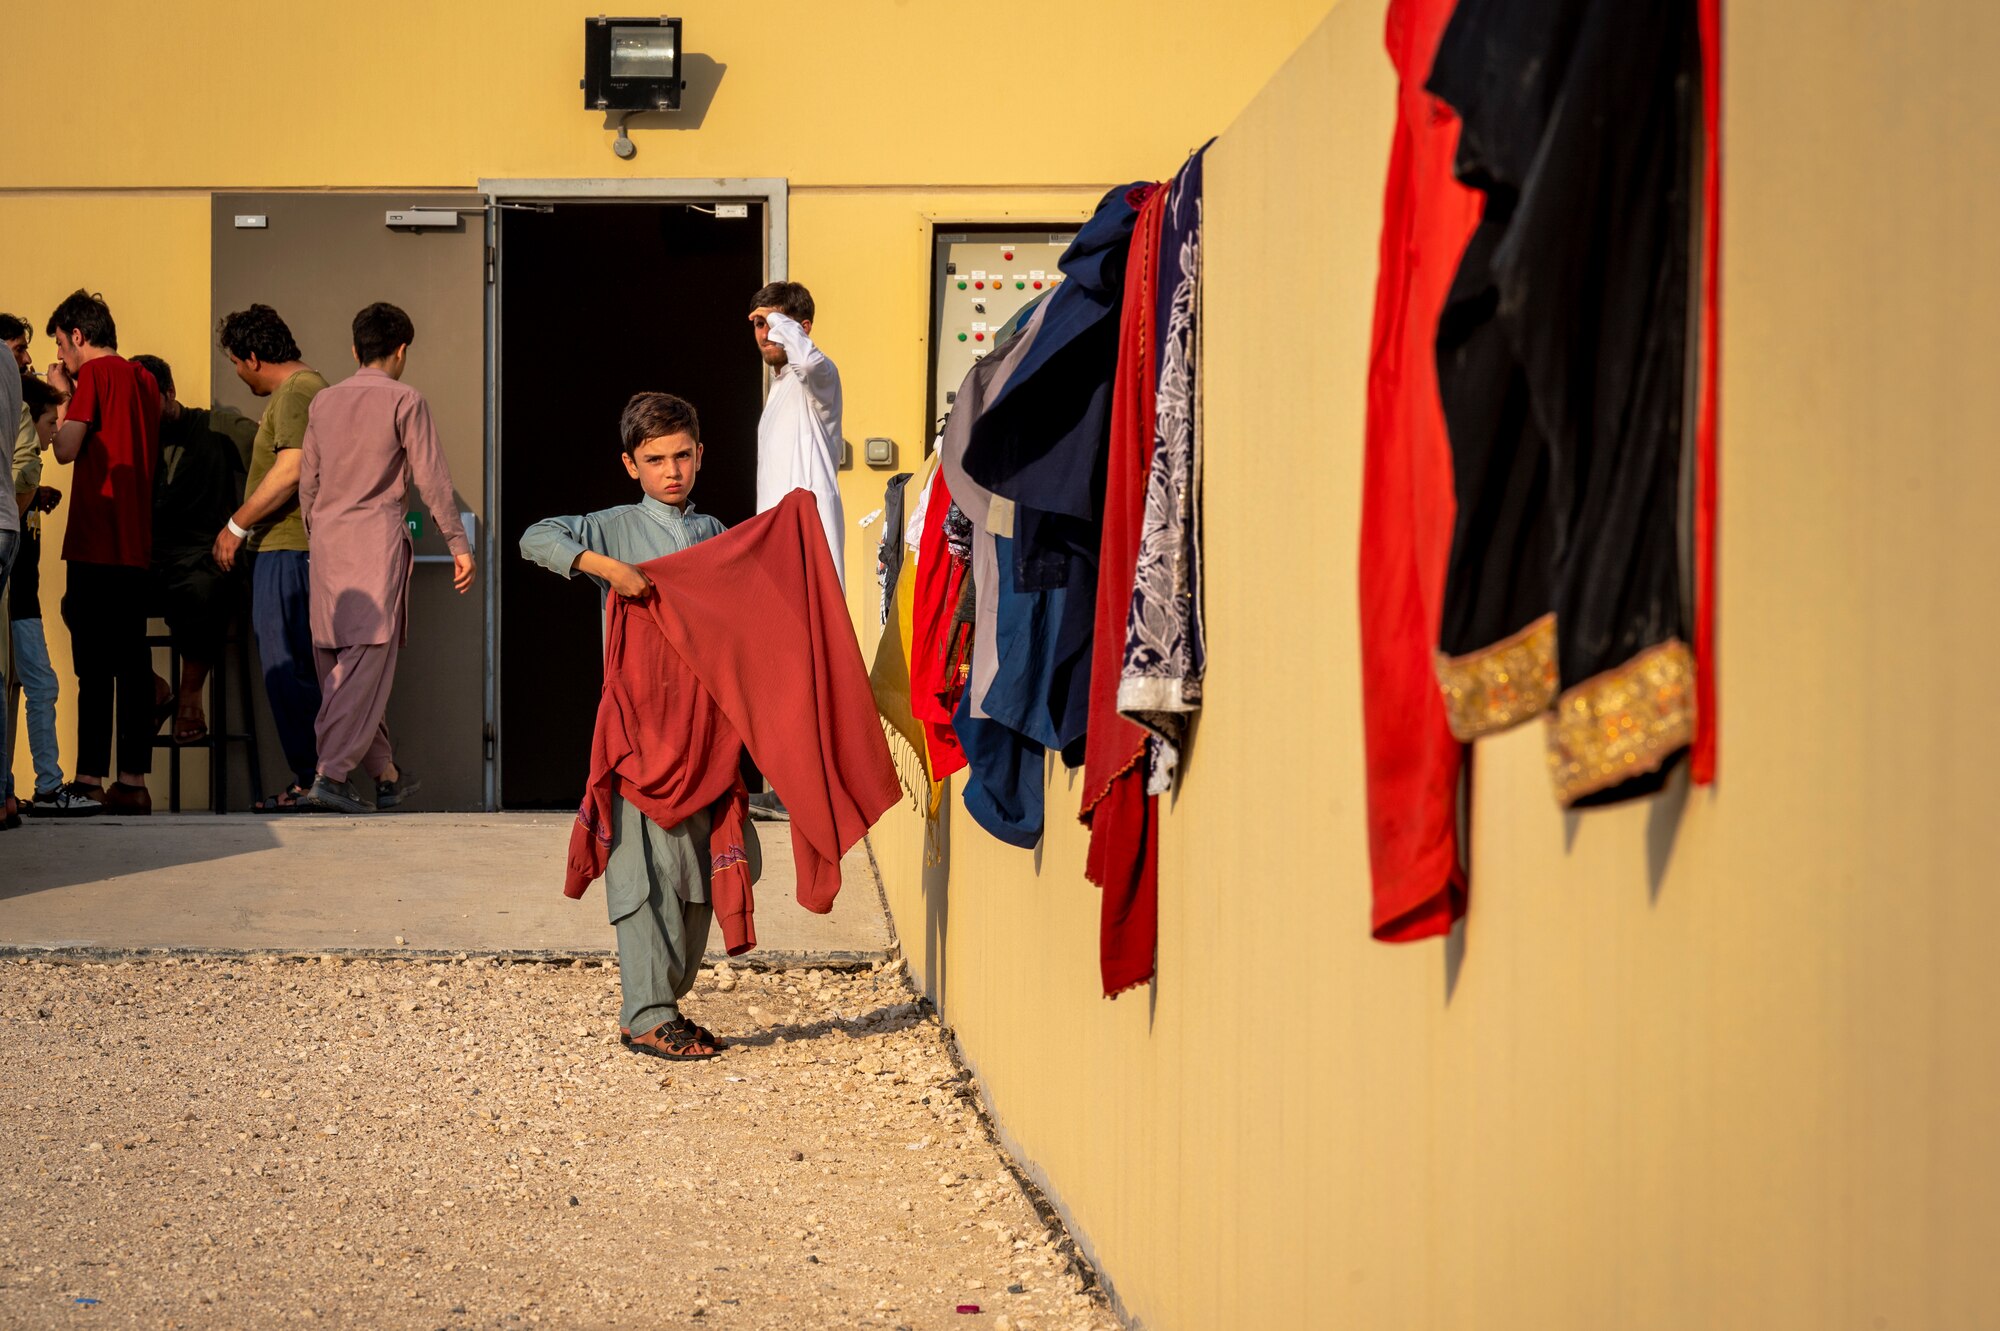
(489, 265)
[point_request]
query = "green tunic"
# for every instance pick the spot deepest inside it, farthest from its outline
(659, 946)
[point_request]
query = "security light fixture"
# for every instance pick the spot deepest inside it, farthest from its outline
(632, 64)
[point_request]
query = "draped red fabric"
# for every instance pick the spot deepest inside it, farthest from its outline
(1128, 928)
(1702, 757)
(1408, 508)
(939, 581)
(744, 643)
(1123, 819)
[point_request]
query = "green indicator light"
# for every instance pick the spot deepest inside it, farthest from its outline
(961, 286)
(961, 337)
(1020, 286)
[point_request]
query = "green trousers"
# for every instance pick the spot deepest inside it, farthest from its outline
(656, 888)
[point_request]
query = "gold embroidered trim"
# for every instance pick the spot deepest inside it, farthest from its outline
(1501, 686)
(1622, 723)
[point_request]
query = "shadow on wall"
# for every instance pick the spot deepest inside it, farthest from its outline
(1664, 814)
(937, 904)
(702, 75)
(1663, 829)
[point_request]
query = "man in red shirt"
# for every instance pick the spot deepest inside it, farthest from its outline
(111, 436)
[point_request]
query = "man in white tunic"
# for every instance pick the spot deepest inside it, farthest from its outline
(798, 440)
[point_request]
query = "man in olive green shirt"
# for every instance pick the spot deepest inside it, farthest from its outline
(269, 529)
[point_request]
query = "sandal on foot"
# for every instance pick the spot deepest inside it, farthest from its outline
(287, 800)
(675, 1040)
(707, 1036)
(190, 726)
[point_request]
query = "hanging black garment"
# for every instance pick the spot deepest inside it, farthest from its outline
(1562, 364)
(889, 553)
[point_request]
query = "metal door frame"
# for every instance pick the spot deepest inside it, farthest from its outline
(771, 191)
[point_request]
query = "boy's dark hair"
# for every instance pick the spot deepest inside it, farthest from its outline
(650, 415)
(13, 326)
(163, 373)
(379, 330)
(259, 332)
(38, 395)
(87, 314)
(785, 297)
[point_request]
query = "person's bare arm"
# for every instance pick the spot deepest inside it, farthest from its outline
(69, 441)
(275, 491)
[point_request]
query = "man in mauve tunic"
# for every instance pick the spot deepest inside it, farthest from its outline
(365, 434)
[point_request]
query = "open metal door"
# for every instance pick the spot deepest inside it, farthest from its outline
(317, 259)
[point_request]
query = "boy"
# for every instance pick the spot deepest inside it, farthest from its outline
(799, 435)
(110, 437)
(366, 433)
(657, 881)
(33, 677)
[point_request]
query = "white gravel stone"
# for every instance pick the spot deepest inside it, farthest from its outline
(472, 1149)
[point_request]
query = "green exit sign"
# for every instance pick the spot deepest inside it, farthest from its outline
(415, 522)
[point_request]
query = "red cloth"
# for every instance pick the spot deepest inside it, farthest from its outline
(1124, 857)
(744, 642)
(1702, 759)
(940, 580)
(111, 483)
(1407, 506)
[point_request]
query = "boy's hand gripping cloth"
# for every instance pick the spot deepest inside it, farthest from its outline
(745, 642)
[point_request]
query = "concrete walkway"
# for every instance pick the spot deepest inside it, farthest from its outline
(383, 885)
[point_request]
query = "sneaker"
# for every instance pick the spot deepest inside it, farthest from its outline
(127, 801)
(335, 797)
(388, 794)
(64, 802)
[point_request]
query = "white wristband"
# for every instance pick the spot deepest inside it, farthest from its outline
(240, 533)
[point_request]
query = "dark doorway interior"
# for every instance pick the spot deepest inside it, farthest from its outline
(599, 301)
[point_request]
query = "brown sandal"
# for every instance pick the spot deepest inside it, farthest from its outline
(678, 1040)
(708, 1037)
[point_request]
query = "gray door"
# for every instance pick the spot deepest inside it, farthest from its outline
(317, 259)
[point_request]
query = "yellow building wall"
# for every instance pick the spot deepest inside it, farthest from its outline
(147, 251)
(1720, 1060)
(881, 114)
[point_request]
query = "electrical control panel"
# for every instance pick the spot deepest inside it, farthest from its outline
(981, 276)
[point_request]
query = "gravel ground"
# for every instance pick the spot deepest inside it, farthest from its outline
(463, 1143)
